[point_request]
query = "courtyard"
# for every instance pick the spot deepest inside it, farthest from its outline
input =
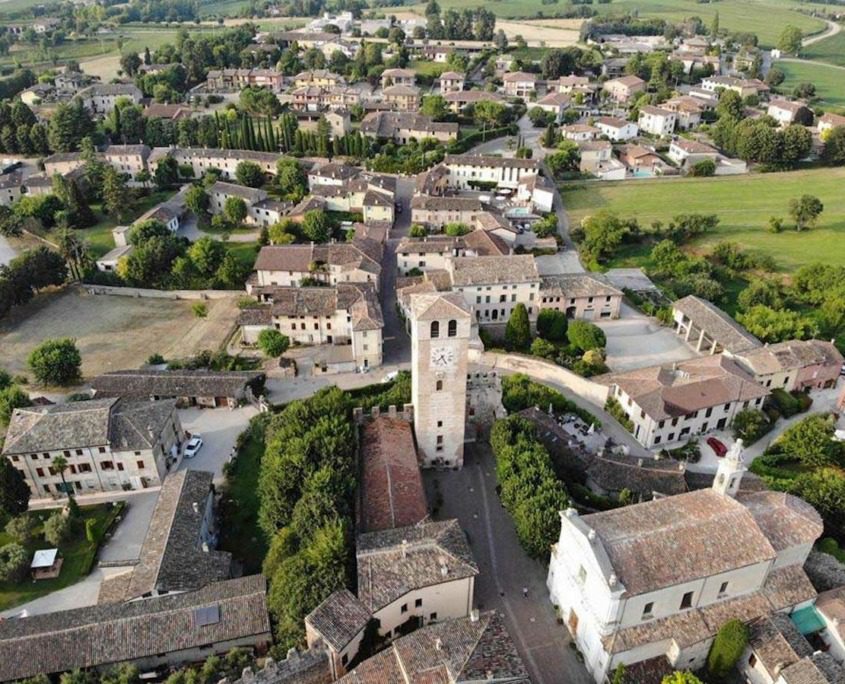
(113, 332)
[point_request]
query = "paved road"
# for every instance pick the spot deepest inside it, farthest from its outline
(832, 29)
(7, 252)
(470, 496)
(219, 429)
(397, 344)
(128, 537)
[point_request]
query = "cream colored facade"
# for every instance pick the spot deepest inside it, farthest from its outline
(444, 601)
(226, 161)
(441, 326)
(657, 121)
(466, 169)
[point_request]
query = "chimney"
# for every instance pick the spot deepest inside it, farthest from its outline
(444, 570)
(404, 548)
(473, 615)
(205, 548)
(196, 507)
(438, 644)
(639, 463)
(591, 535)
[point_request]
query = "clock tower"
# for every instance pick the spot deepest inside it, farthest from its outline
(441, 326)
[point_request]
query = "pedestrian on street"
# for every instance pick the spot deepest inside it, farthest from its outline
(525, 592)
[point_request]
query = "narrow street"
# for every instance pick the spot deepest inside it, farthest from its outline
(504, 568)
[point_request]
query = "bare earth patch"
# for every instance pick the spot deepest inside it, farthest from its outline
(113, 332)
(543, 32)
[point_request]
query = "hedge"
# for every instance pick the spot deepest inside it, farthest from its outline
(520, 392)
(471, 140)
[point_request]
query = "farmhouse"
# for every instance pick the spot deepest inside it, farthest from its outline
(358, 261)
(451, 82)
(459, 100)
(404, 127)
(202, 159)
(708, 328)
(793, 365)
(580, 295)
(786, 112)
(100, 98)
(519, 84)
(402, 98)
(260, 209)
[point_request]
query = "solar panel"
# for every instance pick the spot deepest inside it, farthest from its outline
(206, 616)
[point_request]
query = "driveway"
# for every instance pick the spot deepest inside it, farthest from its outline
(506, 146)
(219, 429)
(470, 496)
(636, 341)
(128, 536)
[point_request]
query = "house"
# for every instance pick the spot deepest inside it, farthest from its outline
(494, 285)
(100, 98)
(69, 83)
(687, 110)
(178, 553)
(537, 192)
(431, 253)
(321, 78)
(554, 103)
(358, 261)
(202, 159)
(398, 77)
(580, 132)
(828, 121)
(736, 554)
(424, 571)
(451, 82)
(688, 153)
(346, 317)
(340, 122)
(229, 80)
(617, 130)
(109, 261)
(569, 84)
(435, 212)
(794, 365)
(595, 153)
(584, 296)
(519, 84)
(158, 632)
(128, 159)
(467, 171)
(609, 474)
(403, 127)
(830, 606)
(670, 403)
(458, 101)
(643, 160)
(331, 173)
(62, 163)
(743, 87)
(695, 59)
(624, 88)
(11, 187)
(205, 388)
(402, 98)
(170, 212)
(709, 329)
(460, 651)
(657, 121)
(261, 210)
(786, 112)
(171, 112)
(336, 627)
(110, 445)
(36, 94)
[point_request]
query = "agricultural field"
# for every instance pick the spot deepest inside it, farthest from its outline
(829, 81)
(830, 50)
(743, 203)
(766, 18)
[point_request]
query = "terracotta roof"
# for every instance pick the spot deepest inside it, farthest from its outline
(339, 619)
(489, 160)
(486, 243)
(629, 81)
(820, 668)
(392, 492)
(440, 305)
(786, 520)
(787, 587)
(777, 643)
(640, 476)
(144, 384)
(789, 355)
(831, 604)
(716, 323)
(249, 195)
(359, 299)
(359, 254)
(578, 285)
(519, 76)
(394, 562)
(435, 203)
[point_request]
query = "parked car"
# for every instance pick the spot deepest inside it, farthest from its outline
(717, 446)
(193, 446)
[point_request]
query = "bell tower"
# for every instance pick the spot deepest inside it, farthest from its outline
(441, 326)
(729, 473)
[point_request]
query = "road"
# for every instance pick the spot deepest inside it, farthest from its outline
(506, 146)
(832, 29)
(7, 252)
(396, 349)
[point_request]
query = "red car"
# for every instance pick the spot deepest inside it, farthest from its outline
(717, 446)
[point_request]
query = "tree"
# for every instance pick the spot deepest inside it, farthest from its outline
(456, 229)
(539, 117)
(602, 234)
(166, 173)
(811, 440)
(805, 210)
(315, 225)
(775, 326)
(434, 106)
(56, 362)
(14, 563)
(69, 124)
(834, 146)
(749, 425)
(11, 224)
(57, 529)
(489, 114)
(11, 397)
(566, 159)
(22, 529)
(235, 210)
(196, 199)
(14, 491)
(704, 168)
(250, 174)
(730, 105)
(618, 675)
(77, 211)
(681, 678)
(585, 336)
(417, 231)
(790, 40)
(552, 325)
(762, 291)
(824, 489)
(207, 255)
(117, 199)
(130, 63)
(272, 342)
(775, 77)
(518, 329)
(727, 648)
(59, 465)
(714, 25)
(291, 179)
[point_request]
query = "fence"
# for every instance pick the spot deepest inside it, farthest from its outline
(162, 294)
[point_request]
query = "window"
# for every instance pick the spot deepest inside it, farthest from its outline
(439, 385)
(433, 616)
(439, 423)
(686, 601)
(723, 589)
(435, 328)
(418, 603)
(102, 450)
(404, 608)
(84, 468)
(140, 465)
(453, 328)
(582, 575)
(647, 609)
(40, 472)
(79, 452)
(107, 465)
(344, 659)
(752, 660)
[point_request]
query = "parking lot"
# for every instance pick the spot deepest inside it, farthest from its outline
(219, 429)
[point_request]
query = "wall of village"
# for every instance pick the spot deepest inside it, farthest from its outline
(161, 294)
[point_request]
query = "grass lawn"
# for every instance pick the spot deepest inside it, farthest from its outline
(744, 204)
(828, 50)
(426, 67)
(829, 81)
(240, 534)
(78, 556)
(245, 252)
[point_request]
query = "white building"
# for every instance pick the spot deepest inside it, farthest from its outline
(617, 130)
(656, 580)
(261, 210)
(226, 161)
(100, 98)
(657, 121)
(786, 112)
(519, 84)
(467, 171)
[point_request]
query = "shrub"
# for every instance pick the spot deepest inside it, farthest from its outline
(728, 646)
(706, 167)
(91, 530)
(518, 329)
(22, 529)
(614, 408)
(543, 349)
(585, 336)
(200, 310)
(14, 563)
(156, 360)
(57, 529)
(56, 362)
(785, 402)
(749, 425)
(552, 325)
(520, 392)
(272, 342)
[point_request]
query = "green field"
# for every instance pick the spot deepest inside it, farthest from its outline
(829, 81)
(744, 204)
(828, 50)
(766, 18)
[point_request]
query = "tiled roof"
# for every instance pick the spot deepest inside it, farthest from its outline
(629, 81)
(789, 355)
(472, 96)
(359, 299)
(640, 476)
(489, 160)
(250, 195)
(486, 243)
(435, 203)
(777, 643)
(387, 124)
(105, 634)
(439, 305)
(831, 604)
(578, 285)
(788, 586)
(517, 268)
(786, 520)
(143, 384)
(704, 532)
(392, 492)
(211, 153)
(394, 562)
(122, 424)
(519, 77)
(172, 557)
(361, 254)
(471, 649)
(716, 323)
(339, 619)
(401, 90)
(820, 668)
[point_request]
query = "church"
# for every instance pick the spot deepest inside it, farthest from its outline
(651, 584)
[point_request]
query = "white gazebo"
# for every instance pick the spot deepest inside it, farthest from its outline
(46, 564)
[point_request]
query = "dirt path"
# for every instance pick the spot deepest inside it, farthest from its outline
(832, 29)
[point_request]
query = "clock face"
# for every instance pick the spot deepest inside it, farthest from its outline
(442, 357)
